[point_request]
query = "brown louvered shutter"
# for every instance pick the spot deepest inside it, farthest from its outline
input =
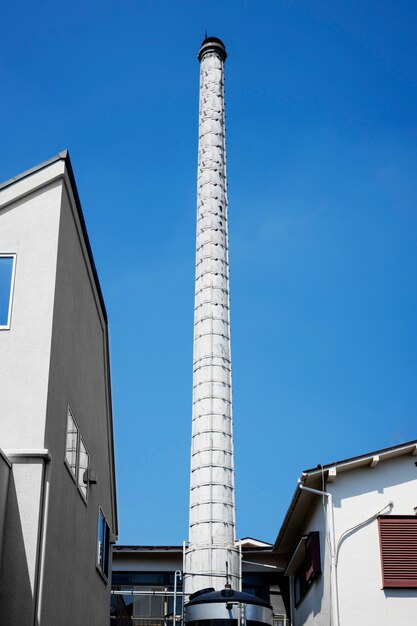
(398, 541)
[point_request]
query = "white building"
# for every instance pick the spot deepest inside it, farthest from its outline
(349, 541)
(57, 478)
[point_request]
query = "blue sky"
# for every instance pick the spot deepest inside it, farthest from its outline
(322, 158)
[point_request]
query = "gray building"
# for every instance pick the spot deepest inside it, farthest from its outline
(57, 476)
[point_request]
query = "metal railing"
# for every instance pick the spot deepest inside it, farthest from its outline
(280, 620)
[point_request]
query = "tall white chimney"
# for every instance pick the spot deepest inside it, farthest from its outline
(212, 559)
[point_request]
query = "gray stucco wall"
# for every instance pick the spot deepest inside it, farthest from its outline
(315, 606)
(5, 467)
(19, 574)
(78, 377)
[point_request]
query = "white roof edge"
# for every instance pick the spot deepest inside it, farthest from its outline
(257, 543)
(23, 185)
(365, 459)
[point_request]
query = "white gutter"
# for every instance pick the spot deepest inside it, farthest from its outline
(368, 460)
(41, 453)
(333, 562)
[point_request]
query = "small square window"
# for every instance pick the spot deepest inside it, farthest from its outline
(72, 443)
(103, 545)
(7, 264)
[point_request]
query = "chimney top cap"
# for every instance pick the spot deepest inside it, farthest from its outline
(212, 44)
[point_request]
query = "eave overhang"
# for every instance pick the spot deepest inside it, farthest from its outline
(317, 478)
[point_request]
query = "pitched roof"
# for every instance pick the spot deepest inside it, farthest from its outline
(248, 544)
(64, 156)
(353, 462)
(314, 477)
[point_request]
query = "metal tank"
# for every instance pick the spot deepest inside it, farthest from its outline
(226, 608)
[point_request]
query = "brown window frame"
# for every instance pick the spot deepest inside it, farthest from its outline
(398, 549)
(309, 569)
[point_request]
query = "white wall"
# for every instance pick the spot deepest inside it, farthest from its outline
(54, 353)
(29, 224)
(28, 228)
(358, 495)
(315, 606)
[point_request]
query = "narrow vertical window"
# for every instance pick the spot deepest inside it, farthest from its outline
(7, 263)
(103, 545)
(308, 565)
(72, 443)
(82, 469)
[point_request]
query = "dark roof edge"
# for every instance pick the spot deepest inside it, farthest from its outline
(287, 518)
(64, 156)
(254, 539)
(162, 549)
(319, 468)
(135, 548)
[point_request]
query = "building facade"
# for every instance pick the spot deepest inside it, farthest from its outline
(144, 579)
(349, 541)
(57, 476)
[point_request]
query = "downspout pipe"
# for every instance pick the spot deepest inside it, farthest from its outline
(333, 556)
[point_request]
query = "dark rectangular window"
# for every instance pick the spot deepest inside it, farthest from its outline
(148, 578)
(398, 542)
(6, 288)
(120, 578)
(103, 545)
